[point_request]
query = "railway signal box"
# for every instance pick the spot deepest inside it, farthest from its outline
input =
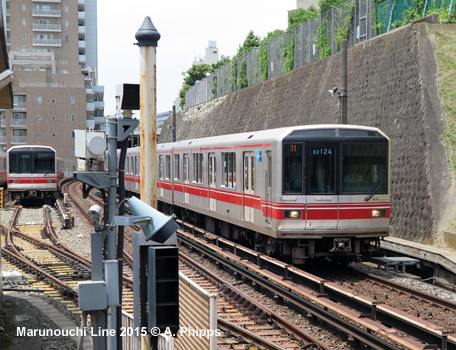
(159, 289)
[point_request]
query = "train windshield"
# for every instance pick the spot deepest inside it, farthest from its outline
(364, 168)
(31, 163)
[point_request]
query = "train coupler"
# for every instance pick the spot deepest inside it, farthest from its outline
(342, 245)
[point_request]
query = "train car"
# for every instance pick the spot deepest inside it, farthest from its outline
(32, 172)
(297, 192)
(3, 173)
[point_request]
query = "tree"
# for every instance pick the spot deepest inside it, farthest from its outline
(195, 73)
(301, 15)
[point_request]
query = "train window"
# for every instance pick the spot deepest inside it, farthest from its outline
(160, 167)
(292, 168)
(198, 168)
(364, 168)
(229, 170)
(358, 133)
(44, 162)
(315, 132)
(322, 171)
(168, 167)
(176, 167)
(186, 168)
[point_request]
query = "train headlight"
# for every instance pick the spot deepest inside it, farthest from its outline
(378, 213)
(292, 214)
(13, 181)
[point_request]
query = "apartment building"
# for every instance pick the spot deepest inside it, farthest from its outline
(52, 50)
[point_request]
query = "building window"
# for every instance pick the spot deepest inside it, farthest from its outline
(38, 135)
(53, 117)
(66, 9)
(72, 134)
(53, 135)
(38, 118)
(24, 22)
(73, 100)
(73, 117)
(38, 99)
(53, 101)
(23, 7)
(66, 38)
(24, 37)
(66, 24)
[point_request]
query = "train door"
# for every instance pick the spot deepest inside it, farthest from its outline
(212, 182)
(268, 191)
(161, 171)
(186, 178)
(322, 201)
(249, 186)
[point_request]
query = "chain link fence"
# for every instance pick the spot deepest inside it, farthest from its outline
(306, 43)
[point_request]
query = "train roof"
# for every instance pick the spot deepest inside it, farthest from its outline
(266, 135)
(30, 148)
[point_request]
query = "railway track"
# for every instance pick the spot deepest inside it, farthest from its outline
(369, 318)
(240, 324)
(373, 322)
(244, 320)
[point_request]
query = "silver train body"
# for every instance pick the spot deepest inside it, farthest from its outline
(33, 172)
(297, 192)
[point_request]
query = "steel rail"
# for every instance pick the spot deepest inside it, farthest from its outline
(366, 336)
(246, 334)
(271, 315)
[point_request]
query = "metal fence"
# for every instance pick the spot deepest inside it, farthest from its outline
(393, 13)
(306, 43)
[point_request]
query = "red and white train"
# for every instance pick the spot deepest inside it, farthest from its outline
(300, 192)
(33, 172)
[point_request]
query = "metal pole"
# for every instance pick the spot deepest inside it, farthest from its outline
(148, 37)
(174, 123)
(343, 82)
(112, 231)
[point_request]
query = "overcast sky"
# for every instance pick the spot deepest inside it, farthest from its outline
(185, 27)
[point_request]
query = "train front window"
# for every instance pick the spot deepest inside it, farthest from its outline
(321, 167)
(292, 168)
(364, 168)
(44, 163)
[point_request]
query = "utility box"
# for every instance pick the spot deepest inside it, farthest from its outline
(89, 144)
(90, 149)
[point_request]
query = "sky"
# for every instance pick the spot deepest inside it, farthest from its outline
(185, 27)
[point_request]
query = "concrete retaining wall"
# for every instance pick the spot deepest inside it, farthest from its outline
(392, 85)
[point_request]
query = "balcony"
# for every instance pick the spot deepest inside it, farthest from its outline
(99, 104)
(2, 123)
(90, 107)
(82, 58)
(18, 140)
(46, 13)
(18, 123)
(81, 2)
(99, 89)
(53, 1)
(47, 42)
(90, 124)
(19, 105)
(2, 140)
(81, 44)
(81, 15)
(81, 29)
(47, 28)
